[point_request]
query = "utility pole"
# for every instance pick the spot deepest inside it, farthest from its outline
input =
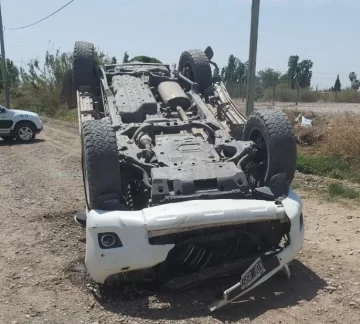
(297, 88)
(250, 87)
(3, 64)
(274, 90)
(243, 79)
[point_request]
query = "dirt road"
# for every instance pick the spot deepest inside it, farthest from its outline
(41, 256)
(316, 107)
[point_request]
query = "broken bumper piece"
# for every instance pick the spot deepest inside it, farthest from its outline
(268, 265)
(118, 241)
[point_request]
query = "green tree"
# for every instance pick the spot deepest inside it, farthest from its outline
(356, 84)
(337, 86)
(144, 59)
(305, 73)
(292, 66)
(352, 76)
(101, 58)
(126, 58)
(216, 72)
(227, 72)
(234, 71)
(13, 74)
(42, 82)
(268, 78)
(50, 73)
(354, 81)
(284, 79)
(299, 70)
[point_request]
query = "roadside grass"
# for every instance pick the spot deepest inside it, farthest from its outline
(333, 155)
(330, 191)
(339, 190)
(327, 166)
(284, 94)
(70, 116)
(342, 138)
(336, 153)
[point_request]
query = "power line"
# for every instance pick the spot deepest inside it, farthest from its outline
(36, 22)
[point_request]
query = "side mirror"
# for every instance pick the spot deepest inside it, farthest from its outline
(209, 53)
(2, 110)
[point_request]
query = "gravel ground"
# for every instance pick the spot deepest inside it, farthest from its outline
(42, 251)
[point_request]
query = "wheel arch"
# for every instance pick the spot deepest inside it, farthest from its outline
(26, 121)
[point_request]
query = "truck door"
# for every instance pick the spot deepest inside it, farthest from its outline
(6, 120)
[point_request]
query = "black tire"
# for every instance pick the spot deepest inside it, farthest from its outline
(8, 138)
(23, 128)
(198, 67)
(83, 66)
(101, 167)
(272, 131)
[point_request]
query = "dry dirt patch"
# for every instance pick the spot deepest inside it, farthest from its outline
(41, 256)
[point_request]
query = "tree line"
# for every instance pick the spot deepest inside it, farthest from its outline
(299, 74)
(38, 84)
(52, 70)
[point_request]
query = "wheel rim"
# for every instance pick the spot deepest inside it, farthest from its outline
(26, 133)
(261, 159)
(188, 71)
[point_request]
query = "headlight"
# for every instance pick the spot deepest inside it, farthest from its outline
(109, 240)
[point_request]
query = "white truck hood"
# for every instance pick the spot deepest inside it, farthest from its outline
(25, 112)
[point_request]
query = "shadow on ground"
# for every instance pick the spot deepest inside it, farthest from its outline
(16, 142)
(276, 293)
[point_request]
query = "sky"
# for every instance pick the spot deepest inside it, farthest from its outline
(324, 31)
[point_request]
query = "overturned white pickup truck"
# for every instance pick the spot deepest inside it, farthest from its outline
(180, 187)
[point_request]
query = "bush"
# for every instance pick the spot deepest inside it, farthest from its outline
(284, 94)
(342, 136)
(336, 153)
(347, 95)
(327, 166)
(308, 95)
(44, 101)
(339, 190)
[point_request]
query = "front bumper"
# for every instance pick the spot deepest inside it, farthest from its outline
(39, 130)
(132, 229)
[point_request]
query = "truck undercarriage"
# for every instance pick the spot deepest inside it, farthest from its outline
(180, 186)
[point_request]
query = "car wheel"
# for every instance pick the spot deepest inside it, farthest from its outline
(25, 132)
(275, 163)
(84, 66)
(100, 165)
(195, 65)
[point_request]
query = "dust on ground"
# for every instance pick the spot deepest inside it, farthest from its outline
(43, 278)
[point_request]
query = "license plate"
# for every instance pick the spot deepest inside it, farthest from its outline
(253, 273)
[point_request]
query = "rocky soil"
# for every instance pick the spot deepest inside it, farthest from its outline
(42, 249)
